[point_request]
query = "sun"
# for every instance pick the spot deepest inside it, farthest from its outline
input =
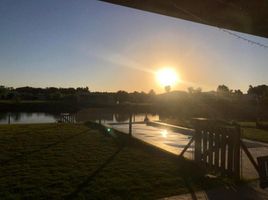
(167, 77)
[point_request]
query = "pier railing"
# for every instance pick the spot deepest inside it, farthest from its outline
(67, 118)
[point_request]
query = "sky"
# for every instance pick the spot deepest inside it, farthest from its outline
(79, 43)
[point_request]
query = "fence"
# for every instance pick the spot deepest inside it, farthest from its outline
(67, 118)
(217, 147)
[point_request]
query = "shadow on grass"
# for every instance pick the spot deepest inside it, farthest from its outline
(84, 184)
(19, 157)
(123, 140)
(120, 140)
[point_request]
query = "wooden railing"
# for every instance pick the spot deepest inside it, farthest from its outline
(66, 118)
(218, 148)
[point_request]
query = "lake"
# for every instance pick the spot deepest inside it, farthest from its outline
(106, 116)
(40, 117)
(27, 118)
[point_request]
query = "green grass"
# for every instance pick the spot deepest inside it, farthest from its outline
(55, 161)
(247, 124)
(255, 134)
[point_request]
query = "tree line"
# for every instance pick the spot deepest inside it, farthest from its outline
(260, 92)
(79, 94)
(221, 103)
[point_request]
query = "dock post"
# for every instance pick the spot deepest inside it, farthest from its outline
(8, 118)
(130, 124)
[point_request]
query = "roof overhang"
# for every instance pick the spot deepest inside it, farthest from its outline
(246, 16)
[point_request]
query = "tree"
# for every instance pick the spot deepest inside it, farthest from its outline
(13, 95)
(167, 88)
(198, 90)
(82, 90)
(191, 90)
(223, 89)
(3, 92)
(151, 96)
(55, 96)
(259, 91)
(238, 92)
(122, 96)
(151, 92)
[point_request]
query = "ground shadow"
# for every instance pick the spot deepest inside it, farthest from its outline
(84, 184)
(23, 155)
(242, 192)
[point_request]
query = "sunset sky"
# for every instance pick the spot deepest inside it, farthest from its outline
(66, 43)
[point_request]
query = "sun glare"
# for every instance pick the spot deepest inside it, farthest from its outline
(167, 77)
(164, 133)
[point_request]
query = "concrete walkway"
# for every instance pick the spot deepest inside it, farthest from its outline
(174, 142)
(256, 149)
(250, 191)
(168, 140)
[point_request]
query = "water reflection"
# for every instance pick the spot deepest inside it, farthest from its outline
(121, 117)
(16, 116)
(81, 116)
(2, 116)
(26, 118)
(112, 117)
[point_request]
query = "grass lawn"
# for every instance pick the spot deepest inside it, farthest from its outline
(250, 131)
(56, 161)
(255, 134)
(247, 124)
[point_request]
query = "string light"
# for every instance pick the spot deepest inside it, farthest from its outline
(221, 29)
